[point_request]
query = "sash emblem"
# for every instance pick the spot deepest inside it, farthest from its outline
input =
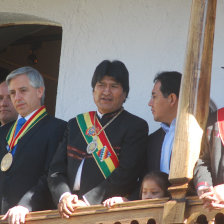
(103, 153)
(91, 131)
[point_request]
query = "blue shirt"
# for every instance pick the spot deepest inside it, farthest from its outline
(167, 146)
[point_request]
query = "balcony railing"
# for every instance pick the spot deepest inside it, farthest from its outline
(135, 212)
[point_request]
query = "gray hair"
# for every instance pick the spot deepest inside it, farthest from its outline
(35, 78)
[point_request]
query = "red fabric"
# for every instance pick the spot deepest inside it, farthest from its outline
(220, 119)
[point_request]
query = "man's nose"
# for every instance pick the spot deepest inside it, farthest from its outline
(107, 90)
(17, 96)
(150, 102)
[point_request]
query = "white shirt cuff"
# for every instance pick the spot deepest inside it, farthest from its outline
(85, 200)
(66, 193)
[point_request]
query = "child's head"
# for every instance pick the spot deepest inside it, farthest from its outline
(155, 185)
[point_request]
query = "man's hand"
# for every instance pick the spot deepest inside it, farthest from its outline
(219, 192)
(203, 189)
(219, 195)
(67, 204)
(16, 215)
(214, 198)
(114, 200)
(208, 197)
(80, 203)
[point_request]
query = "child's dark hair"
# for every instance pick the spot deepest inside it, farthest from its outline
(161, 180)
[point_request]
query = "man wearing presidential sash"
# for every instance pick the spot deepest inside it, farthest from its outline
(102, 151)
(27, 146)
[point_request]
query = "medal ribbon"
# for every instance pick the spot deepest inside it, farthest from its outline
(34, 119)
(108, 164)
(220, 119)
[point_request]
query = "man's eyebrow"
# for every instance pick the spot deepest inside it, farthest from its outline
(116, 83)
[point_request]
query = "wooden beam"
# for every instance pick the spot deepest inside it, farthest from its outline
(195, 91)
(193, 105)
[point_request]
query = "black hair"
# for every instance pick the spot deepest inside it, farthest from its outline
(170, 82)
(161, 180)
(115, 69)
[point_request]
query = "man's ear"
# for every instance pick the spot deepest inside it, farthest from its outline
(173, 99)
(40, 92)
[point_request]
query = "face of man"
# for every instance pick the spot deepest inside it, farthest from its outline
(25, 97)
(108, 95)
(7, 111)
(160, 105)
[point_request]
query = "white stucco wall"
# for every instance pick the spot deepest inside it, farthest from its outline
(147, 35)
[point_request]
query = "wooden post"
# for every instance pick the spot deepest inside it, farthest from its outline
(193, 105)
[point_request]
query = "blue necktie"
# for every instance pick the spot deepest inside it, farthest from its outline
(19, 125)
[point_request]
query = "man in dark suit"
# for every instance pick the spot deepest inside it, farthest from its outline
(27, 147)
(163, 103)
(102, 151)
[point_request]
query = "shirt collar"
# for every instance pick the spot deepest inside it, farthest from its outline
(166, 127)
(99, 114)
(108, 115)
(28, 116)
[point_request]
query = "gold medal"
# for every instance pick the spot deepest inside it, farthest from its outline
(6, 162)
(91, 147)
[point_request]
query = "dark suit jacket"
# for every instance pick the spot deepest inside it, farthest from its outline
(151, 160)
(154, 148)
(127, 135)
(209, 168)
(25, 183)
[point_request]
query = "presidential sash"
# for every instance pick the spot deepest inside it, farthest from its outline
(104, 154)
(34, 119)
(220, 118)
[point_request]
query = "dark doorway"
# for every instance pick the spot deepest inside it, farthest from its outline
(38, 46)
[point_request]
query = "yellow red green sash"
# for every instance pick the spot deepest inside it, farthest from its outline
(104, 154)
(34, 119)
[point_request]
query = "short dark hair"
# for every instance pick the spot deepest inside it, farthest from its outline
(161, 180)
(115, 69)
(170, 82)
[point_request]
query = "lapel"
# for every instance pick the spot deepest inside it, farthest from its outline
(21, 145)
(3, 133)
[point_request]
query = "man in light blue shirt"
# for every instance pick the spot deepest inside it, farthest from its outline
(164, 104)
